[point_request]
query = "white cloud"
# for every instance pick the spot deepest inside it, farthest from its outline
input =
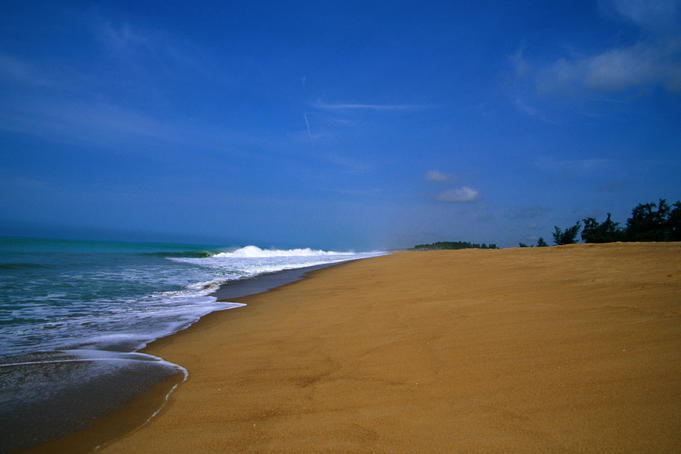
(151, 47)
(436, 175)
(616, 69)
(655, 60)
(307, 126)
(520, 66)
(122, 37)
(460, 195)
(655, 15)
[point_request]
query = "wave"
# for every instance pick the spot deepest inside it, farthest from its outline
(247, 252)
(190, 254)
(256, 252)
(251, 261)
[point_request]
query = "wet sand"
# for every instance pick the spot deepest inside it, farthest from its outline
(563, 349)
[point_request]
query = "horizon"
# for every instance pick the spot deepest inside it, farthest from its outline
(336, 125)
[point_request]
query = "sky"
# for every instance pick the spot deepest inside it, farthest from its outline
(345, 125)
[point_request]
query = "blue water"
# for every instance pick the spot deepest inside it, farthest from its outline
(57, 294)
(74, 313)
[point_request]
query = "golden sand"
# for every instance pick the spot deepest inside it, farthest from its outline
(562, 349)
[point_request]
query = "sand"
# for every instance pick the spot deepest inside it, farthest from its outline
(562, 349)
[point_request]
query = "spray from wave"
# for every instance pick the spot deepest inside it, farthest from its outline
(251, 261)
(256, 252)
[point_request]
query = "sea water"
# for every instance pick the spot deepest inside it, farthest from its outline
(74, 313)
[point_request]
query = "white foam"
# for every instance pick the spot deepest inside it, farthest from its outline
(256, 252)
(121, 320)
(251, 260)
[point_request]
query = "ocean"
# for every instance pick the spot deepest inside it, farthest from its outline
(73, 315)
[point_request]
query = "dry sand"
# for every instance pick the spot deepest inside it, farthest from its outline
(563, 349)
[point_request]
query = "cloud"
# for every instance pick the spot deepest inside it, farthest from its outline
(616, 69)
(529, 110)
(307, 126)
(655, 15)
(20, 71)
(654, 60)
(374, 107)
(518, 91)
(460, 195)
(82, 121)
(436, 175)
(107, 125)
(151, 48)
(520, 66)
(122, 37)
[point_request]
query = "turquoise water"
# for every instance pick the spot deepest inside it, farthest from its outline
(57, 294)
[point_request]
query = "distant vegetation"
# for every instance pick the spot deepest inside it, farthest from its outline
(540, 243)
(567, 236)
(648, 222)
(455, 245)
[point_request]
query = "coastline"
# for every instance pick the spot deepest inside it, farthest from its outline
(265, 282)
(552, 349)
(145, 405)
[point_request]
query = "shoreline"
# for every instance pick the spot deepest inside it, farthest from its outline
(265, 282)
(532, 350)
(146, 405)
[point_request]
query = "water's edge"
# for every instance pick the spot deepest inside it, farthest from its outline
(101, 430)
(265, 282)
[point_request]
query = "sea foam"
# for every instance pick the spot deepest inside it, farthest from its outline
(256, 252)
(251, 261)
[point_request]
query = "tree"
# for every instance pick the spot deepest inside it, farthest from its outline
(647, 223)
(674, 223)
(569, 236)
(522, 245)
(455, 245)
(541, 242)
(607, 232)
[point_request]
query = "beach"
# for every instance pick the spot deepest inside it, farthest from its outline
(562, 349)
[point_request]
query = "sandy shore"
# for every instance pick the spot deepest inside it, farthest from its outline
(564, 349)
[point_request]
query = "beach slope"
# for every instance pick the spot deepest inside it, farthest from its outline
(563, 349)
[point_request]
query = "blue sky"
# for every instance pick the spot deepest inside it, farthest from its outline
(335, 124)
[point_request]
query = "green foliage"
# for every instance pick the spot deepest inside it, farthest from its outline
(606, 232)
(674, 223)
(568, 236)
(650, 223)
(455, 245)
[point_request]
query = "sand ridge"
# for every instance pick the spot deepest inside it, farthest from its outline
(563, 349)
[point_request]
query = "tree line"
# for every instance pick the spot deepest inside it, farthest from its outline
(455, 245)
(648, 222)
